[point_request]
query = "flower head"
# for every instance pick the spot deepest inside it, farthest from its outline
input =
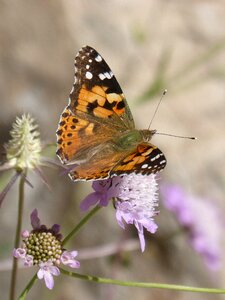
(201, 221)
(23, 152)
(136, 200)
(24, 148)
(43, 247)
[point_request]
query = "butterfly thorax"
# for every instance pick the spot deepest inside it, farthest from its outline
(132, 138)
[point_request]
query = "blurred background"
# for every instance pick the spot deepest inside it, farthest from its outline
(150, 45)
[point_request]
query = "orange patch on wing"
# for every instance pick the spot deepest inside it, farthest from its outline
(93, 170)
(82, 102)
(118, 98)
(126, 167)
(142, 149)
(139, 159)
(102, 112)
(129, 158)
(89, 129)
(119, 111)
(97, 93)
(81, 108)
(68, 139)
(114, 97)
(98, 90)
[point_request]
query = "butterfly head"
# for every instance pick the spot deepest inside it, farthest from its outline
(147, 134)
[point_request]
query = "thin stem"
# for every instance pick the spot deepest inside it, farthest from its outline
(27, 288)
(144, 284)
(18, 232)
(80, 224)
(8, 187)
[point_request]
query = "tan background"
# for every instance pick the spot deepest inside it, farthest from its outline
(179, 45)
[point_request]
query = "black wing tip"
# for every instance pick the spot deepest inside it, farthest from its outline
(86, 48)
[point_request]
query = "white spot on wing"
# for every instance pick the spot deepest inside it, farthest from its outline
(155, 157)
(108, 75)
(87, 67)
(101, 76)
(88, 75)
(162, 162)
(144, 166)
(98, 58)
(90, 60)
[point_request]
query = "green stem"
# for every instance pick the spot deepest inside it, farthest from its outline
(27, 288)
(17, 237)
(144, 284)
(80, 224)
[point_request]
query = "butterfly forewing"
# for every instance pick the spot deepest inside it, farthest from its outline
(96, 91)
(97, 110)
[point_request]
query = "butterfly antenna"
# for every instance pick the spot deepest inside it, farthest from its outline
(177, 136)
(157, 107)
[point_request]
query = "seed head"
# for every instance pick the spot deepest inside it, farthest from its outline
(24, 148)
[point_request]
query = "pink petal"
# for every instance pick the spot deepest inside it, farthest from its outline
(119, 219)
(49, 280)
(25, 234)
(67, 259)
(19, 253)
(142, 240)
(46, 271)
(140, 230)
(28, 261)
(40, 273)
(35, 221)
(90, 200)
(54, 270)
(56, 228)
(73, 253)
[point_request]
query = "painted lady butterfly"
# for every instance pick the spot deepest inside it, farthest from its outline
(96, 133)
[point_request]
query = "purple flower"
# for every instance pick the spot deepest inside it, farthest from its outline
(136, 200)
(42, 247)
(46, 271)
(19, 253)
(201, 220)
(34, 219)
(67, 258)
(104, 190)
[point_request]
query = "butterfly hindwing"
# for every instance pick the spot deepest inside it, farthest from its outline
(145, 159)
(97, 168)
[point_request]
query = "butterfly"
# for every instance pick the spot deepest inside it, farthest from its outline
(96, 135)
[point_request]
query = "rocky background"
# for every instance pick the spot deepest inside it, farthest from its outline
(150, 46)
